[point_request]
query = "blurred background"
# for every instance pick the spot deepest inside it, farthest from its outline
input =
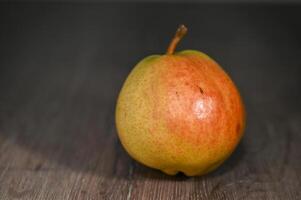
(63, 64)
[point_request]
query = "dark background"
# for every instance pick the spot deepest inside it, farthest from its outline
(63, 64)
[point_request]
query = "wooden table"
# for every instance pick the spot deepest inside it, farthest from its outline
(61, 69)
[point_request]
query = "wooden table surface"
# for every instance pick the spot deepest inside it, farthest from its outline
(62, 66)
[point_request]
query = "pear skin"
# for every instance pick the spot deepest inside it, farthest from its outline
(180, 112)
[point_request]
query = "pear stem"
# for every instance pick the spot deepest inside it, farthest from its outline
(181, 31)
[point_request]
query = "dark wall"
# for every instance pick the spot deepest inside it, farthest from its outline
(259, 45)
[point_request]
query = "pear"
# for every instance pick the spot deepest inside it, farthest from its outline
(180, 112)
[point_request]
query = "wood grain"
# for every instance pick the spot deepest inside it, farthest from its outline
(62, 66)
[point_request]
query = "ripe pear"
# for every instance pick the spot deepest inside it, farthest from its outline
(180, 112)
